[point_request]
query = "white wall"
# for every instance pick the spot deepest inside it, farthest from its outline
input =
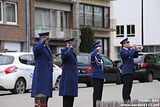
(12, 46)
(128, 12)
(151, 22)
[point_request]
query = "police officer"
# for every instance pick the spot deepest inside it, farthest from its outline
(98, 73)
(69, 78)
(42, 77)
(127, 54)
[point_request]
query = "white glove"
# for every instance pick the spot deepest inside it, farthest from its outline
(98, 48)
(71, 46)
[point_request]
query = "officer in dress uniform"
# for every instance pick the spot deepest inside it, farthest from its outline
(42, 77)
(127, 53)
(98, 73)
(69, 78)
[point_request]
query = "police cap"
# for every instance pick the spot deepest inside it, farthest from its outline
(97, 44)
(124, 41)
(44, 34)
(68, 39)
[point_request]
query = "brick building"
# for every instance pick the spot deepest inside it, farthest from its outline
(61, 20)
(13, 24)
(59, 17)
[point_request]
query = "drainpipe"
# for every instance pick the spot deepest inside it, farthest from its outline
(28, 25)
(77, 27)
(142, 26)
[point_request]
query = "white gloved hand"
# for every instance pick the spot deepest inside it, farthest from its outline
(71, 46)
(98, 48)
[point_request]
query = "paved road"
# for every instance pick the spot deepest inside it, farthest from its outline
(111, 92)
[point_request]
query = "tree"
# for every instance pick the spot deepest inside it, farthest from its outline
(87, 39)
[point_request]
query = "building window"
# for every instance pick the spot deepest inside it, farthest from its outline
(155, 49)
(118, 52)
(120, 31)
(93, 15)
(106, 17)
(130, 30)
(81, 14)
(8, 11)
(88, 15)
(42, 20)
(98, 16)
(62, 21)
(11, 13)
(0, 11)
(46, 20)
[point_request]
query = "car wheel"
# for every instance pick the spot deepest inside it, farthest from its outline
(141, 81)
(27, 91)
(150, 77)
(20, 86)
(56, 86)
(89, 84)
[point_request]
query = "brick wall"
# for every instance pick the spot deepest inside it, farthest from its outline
(17, 32)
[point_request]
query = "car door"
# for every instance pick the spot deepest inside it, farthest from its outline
(157, 66)
(110, 70)
(27, 68)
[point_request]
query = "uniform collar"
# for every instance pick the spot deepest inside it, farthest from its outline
(125, 48)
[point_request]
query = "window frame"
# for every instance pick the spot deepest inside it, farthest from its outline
(157, 58)
(1, 21)
(130, 34)
(104, 17)
(83, 14)
(106, 59)
(11, 23)
(26, 60)
(86, 7)
(120, 33)
(82, 57)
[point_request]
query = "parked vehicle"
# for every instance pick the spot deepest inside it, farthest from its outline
(112, 74)
(16, 72)
(85, 70)
(147, 67)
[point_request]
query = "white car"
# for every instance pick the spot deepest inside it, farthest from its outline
(16, 72)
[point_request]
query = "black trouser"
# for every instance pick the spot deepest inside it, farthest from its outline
(127, 86)
(97, 90)
(68, 101)
(41, 101)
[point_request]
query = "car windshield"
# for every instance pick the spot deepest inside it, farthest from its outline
(82, 59)
(6, 59)
(138, 59)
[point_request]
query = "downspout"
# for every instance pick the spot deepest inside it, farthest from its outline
(28, 25)
(142, 26)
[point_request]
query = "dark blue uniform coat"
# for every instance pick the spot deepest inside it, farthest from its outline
(97, 64)
(127, 56)
(69, 77)
(42, 77)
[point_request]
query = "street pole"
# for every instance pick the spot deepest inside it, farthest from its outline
(77, 27)
(27, 25)
(142, 22)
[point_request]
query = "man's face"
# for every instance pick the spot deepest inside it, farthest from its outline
(70, 43)
(126, 45)
(45, 39)
(100, 49)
